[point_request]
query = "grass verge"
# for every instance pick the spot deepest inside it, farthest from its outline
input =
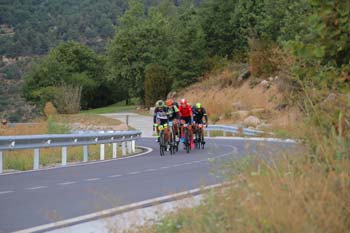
(308, 191)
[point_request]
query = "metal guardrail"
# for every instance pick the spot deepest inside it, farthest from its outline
(126, 139)
(233, 130)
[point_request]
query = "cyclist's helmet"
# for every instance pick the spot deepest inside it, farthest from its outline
(198, 105)
(160, 103)
(183, 101)
(169, 102)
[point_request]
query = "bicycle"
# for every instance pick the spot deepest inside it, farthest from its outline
(187, 139)
(199, 137)
(174, 145)
(163, 142)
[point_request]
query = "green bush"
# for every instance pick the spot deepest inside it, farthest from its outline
(157, 84)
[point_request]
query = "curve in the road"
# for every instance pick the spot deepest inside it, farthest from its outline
(38, 198)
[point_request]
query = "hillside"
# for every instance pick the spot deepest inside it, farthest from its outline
(230, 99)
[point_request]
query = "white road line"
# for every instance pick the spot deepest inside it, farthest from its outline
(5, 192)
(198, 161)
(92, 179)
(164, 167)
(151, 170)
(37, 187)
(67, 183)
(113, 176)
(188, 163)
(177, 165)
(133, 173)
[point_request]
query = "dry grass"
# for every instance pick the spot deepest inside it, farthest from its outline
(50, 157)
(219, 102)
(289, 195)
(23, 159)
(304, 192)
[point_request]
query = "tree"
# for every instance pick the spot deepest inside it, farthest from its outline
(70, 63)
(187, 57)
(157, 84)
(140, 40)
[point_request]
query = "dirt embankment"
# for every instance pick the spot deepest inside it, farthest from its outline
(231, 99)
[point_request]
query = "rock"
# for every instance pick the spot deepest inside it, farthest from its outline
(271, 79)
(151, 110)
(244, 75)
(237, 105)
(265, 84)
(252, 121)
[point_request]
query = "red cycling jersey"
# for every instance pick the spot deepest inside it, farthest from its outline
(185, 112)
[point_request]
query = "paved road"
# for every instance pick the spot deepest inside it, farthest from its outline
(140, 122)
(40, 197)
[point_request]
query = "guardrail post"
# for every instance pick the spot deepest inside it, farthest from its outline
(102, 152)
(129, 147)
(133, 146)
(208, 134)
(36, 159)
(123, 149)
(115, 150)
(64, 156)
(1, 166)
(86, 153)
(224, 133)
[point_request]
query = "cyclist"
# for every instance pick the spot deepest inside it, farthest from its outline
(160, 117)
(198, 113)
(173, 115)
(186, 116)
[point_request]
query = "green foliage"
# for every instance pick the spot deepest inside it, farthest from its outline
(187, 56)
(70, 63)
(42, 25)
(222, 37)
(157, 84)
(139, 41)
(323, 52)
(54, 127)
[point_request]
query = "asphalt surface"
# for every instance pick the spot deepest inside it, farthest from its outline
(40, 197)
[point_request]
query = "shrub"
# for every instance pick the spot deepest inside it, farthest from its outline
(49, 109)
(157, 84)
(260, 59)
(67, 98)
(54, 127)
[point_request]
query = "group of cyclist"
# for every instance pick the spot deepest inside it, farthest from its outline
(170, 114)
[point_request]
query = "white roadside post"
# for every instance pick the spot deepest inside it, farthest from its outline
(102, 152)
(86, 153)
(208, 133)
(36, 159)
(115, 150)
(64, 156)
(224, 134)
(1, 166)
(129, 147)
(123, 149)
(133, 146)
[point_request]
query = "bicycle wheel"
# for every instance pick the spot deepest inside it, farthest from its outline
(161, 143)
(202, 138)
(198, 139)
(187, 140)
(171, 141)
